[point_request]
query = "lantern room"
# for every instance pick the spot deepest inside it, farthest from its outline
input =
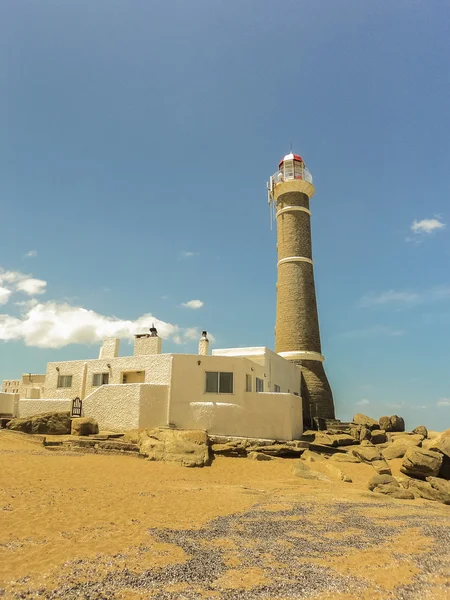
(292, 166)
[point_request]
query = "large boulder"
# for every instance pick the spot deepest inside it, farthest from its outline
(439, 484)
(378, 436)
(388, 485)
(360, 419)
(188, 448)
(385, 423)
(421, 463)
(52, 423)
(442, 443)
(421, 430)
(428, 490)
(360, 432)
(398, 448)
(393, 423)
(397, 423)
(84, 426)
(372, 456)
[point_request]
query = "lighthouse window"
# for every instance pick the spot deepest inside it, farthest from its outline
(259, 384)
(248, 383)
(276, 388)
(218, 383)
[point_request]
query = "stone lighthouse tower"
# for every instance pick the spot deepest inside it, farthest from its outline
(297, 336)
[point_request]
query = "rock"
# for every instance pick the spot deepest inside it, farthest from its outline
(442, 443)
(260, 456)
(229, 449)
(372, 456)
(397, 423)
(367, 454)
(365, 433)
(133, 436)
(425, 489)
(309, 456)
(385, 423)
(381, 467)
(444, 471)
(84, 426)
(360, 432)
(278, 450)
(421, 463)
(379, 480)
(378, 436)
(361, 419)
(301, 470)
(394, 423)
(394, 492)
(118, 446)
(52, 423)
(398, 448)
(334, 440)
(337, 472)
(421, 430)
(344, 458)
(189, 448)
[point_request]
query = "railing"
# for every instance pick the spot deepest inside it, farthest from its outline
(297, 172)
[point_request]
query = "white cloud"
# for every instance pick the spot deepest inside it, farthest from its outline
(194, 304)
(426, 226)
(15, 281)
(389, 297)
(31, 286)
(406, 298)
(443, 402)
(54, 325)
(4, 295)
(363, 402)
(186, 254)
(31, 254)
(373, 331)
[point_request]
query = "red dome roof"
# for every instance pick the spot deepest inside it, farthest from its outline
(291, 157)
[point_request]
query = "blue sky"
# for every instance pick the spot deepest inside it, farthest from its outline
(136, 140)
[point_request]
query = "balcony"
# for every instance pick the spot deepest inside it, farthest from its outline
(289, 172)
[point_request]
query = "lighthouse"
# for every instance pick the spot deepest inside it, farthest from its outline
(297, 335)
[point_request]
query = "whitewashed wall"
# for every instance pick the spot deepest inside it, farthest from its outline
(8, 403)
(120, 407)
(28, 408)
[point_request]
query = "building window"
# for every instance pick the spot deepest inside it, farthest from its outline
(276, 388)
(259, 384)
(248, 383)
(218, 383)
(64, 381)
(100, 379)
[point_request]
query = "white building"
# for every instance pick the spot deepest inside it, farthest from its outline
(248, 392)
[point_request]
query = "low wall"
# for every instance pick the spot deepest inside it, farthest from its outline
(258, 415)
(29, 407)
(120, 407)
(8, 403)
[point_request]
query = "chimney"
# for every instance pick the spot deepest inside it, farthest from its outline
(203, 345)
(147, 343)
(110, 348)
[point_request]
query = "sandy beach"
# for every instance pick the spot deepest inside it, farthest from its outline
(75, 525)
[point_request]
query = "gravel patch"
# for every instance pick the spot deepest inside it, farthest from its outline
(283, 544)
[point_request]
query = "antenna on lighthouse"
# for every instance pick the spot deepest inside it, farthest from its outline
(270, 185)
